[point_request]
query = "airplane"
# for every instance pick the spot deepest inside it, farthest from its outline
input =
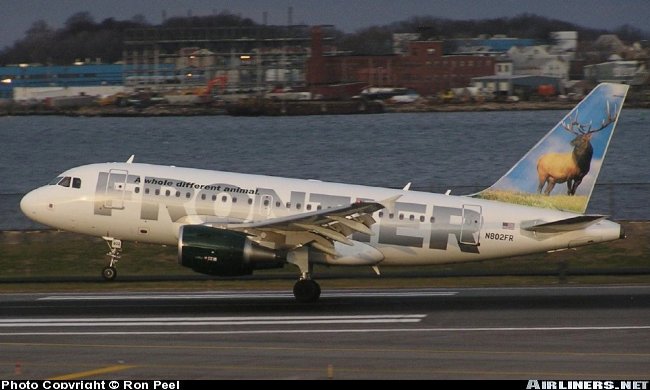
(231, 224)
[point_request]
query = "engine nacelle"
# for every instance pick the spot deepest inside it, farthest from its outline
(222, 252)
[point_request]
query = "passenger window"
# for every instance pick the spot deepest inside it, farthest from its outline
(308, 207)
(146, 191)
(167, 193)
(202, 196)
(187, 195)
(137, 190)
(250, 200)
(214, 198)
(157, 191)
(224, 198)
(76, 182)
(234, 200)
(178, 194)
(65, 182)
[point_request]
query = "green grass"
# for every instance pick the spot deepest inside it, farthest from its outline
(27, 255)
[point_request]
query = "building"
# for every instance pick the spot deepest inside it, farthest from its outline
(495, 45)
(539, 61)
(504, 83)
(26, 81)
(422, 67)
(249, 58)
(617, 71)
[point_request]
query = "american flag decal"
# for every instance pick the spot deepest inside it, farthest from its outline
(508, 226)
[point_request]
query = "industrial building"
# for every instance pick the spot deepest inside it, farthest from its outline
(245, 59)
(422, 67)
(17, 80)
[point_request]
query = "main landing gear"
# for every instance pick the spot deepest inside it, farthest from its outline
(305, 290)
(109, 273)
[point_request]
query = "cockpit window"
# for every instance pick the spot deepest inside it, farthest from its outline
(65, 182)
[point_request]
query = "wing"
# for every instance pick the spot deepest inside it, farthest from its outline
(318, 229)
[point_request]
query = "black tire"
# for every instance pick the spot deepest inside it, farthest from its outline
(109, 273)
(306, 291)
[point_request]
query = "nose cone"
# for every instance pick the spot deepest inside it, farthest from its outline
(30, 203)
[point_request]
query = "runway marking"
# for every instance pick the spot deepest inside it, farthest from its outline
(210, 321)
(245, 369)
(85, 374)
(316, 348)
(330, 294)
(201, 368)
(305, 331)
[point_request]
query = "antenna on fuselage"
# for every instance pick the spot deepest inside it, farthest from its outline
(130, 160)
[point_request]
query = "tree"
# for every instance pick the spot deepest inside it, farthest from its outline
(80, 21)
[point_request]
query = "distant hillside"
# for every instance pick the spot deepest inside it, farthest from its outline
(81, 37)
(378, 39)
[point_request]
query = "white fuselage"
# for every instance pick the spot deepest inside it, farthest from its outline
(149, 203)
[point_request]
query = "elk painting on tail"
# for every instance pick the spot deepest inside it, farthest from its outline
(571, 152)
(571, 167)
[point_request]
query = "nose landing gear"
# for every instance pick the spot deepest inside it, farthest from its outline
(109, 273)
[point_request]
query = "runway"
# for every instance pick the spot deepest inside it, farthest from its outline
(476, 333)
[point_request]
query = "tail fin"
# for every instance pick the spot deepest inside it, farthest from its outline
(572, 153)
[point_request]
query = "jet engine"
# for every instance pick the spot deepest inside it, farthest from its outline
(222, 252)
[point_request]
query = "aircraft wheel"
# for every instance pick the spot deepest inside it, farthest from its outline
(306, 290)
(109, 273)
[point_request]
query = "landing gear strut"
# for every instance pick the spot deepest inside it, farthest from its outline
(109, 273)
(305, 290)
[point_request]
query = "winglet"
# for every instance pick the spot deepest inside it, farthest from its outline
(572, 153)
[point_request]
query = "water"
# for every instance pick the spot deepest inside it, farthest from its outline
(436, 151)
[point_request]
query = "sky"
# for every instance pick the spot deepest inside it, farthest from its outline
(347, 15)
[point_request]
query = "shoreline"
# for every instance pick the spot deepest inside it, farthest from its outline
(290, 109)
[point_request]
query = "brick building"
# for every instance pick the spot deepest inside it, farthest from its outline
(422, 68)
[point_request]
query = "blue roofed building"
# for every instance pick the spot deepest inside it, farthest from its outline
(497, 44)
(27, 81)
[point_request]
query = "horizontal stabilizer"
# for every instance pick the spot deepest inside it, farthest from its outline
(565, 225)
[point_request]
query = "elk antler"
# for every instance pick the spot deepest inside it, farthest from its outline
(578, 128)
(606, 122)
(573, 127)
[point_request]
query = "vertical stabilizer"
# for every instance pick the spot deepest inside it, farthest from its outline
(560, 171)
